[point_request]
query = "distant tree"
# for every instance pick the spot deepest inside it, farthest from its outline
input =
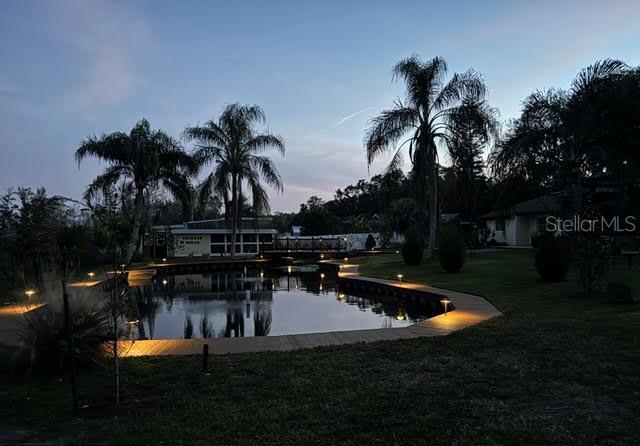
(426, 117)
(235, 148)
(314, 218)
(143, 158)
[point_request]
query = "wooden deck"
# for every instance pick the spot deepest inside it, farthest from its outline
(469, 310)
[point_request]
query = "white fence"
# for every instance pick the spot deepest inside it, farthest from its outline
(333, 242)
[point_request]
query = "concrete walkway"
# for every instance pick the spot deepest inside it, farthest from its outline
(469, 310)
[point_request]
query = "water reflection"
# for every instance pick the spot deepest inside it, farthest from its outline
(300, 300)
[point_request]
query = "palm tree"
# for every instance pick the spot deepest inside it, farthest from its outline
(236, 148)
(425, 118)
(143, 158)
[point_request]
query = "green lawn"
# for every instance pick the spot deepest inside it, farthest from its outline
(555, 369)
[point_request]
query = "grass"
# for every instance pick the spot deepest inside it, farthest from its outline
(555, 369)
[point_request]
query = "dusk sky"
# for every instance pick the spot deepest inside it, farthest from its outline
(320, 70)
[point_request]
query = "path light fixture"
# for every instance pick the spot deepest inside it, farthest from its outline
(164, 259)
(30, 292)
(132, 322)
(262, 274)
(400, 316)
(321, 256)
(91, 275)
(341, 296)
(165, 282)
(400, 276)
(288, 269)
(321, 275)
(397, 252)
(346, 259)
(445, 302)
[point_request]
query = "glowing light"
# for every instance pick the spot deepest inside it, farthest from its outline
(400, 317)
(30, 292)
(165, 281)
(322, 275)
(320, 287)
(289, 269)
(341, 296)
(164, 259)
(91, 275)
(132, 322)
(262, 274)
(346, 259)
(322, 256)
(400, 276)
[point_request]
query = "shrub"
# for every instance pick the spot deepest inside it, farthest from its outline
(619, 293)
(412, 249)
(43, 337)
(370, 243)
(592, 256)
(451, 249)
(553, 258)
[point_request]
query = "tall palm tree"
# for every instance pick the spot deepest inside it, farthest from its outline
(143, 158)
(236, 148)
(425, 118)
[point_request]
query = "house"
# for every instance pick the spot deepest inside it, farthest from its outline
(206, 238)
(516, 226)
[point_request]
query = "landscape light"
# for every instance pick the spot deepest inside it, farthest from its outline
(30, 292)
(91, 275)
(165, 281)
(321, 256)
(288, 269)
(400, 276)
(132, 322)
(322, 275)
(262, 274)
(164, 259)
(400, 317)
(341, 296)
(397, 252)
(346, 259)
(445, 302)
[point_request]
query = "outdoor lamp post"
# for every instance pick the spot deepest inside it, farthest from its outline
(91, 275)
(400, 276)
(445, 302)
(30, 292)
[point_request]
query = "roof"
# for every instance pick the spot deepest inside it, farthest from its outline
(220, 224)
(545, 204)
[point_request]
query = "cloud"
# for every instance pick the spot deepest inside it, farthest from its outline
(106, 39)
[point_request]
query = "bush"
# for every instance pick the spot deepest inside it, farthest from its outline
(412, 249)
(619, 293)
(451, 250)
(370, 243)
(592, 256)
(44, 344)
(553, 258)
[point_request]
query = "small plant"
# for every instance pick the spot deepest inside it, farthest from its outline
(451, 250)
(619, 293)
(412, 249)
(592, 259)
(370, 243)
(553, 258)
(44, 342)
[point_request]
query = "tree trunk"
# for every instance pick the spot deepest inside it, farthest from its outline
(234, 213)
(137, 221)
(433, 206)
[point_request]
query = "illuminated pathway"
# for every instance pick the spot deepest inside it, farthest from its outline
(469, 310)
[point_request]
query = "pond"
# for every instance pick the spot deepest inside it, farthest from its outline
(276, 301)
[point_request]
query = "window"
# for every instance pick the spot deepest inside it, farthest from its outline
(500, 225)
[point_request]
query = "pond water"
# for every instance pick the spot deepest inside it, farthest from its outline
(288, 300)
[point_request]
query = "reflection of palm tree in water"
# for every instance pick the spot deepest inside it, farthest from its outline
(188, 327)
(235, 323)
(262, 323)
(206, 329)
